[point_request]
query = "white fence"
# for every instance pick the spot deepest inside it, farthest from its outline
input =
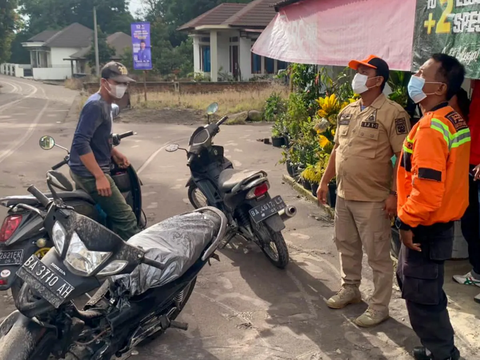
(16, 70)
(54, 73)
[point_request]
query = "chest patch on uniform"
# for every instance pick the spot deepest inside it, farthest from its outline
(457, 121)
(370, 125)
(401, 126)
(373, 117)
(345, 119)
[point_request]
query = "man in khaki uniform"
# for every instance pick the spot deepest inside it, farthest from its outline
(369, 132)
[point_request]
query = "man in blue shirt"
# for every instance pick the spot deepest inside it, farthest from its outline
(92, 151)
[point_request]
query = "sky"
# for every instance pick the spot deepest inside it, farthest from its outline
(135, 5)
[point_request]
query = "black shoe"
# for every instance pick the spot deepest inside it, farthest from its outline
(420, 353)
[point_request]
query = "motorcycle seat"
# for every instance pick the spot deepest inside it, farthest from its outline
(32, 201)
(229, 178)
(178, 242)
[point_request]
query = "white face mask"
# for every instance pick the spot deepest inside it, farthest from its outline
(359, 83)
(116, 91)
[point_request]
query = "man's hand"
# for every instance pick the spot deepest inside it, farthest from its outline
(103, 186)
(322, 193)
(390, 207)
(407, 239)
(120, 159)
(476, 172)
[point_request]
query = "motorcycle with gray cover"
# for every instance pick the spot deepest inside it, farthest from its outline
(242, 195)
(143, 284)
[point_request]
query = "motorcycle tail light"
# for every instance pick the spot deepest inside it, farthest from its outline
(10, 225)
(258, 191)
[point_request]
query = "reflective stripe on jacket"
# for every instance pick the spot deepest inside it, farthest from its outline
(432, 180)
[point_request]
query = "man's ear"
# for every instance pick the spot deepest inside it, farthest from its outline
(380, 81)
(442, 90)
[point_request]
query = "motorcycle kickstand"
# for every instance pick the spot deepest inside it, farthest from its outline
(229, 238)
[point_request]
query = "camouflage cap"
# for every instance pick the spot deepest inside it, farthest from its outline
(117, 72)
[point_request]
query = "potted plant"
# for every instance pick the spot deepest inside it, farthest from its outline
(278, 133)
(308, 176)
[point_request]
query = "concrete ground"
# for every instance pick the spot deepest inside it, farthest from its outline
(243, 307)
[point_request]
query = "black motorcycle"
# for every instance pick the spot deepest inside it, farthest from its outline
(22, 233)
(146, 284)
(242, 195)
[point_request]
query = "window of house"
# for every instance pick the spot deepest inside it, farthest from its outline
(269, 65)
(256, 64)
(282, 65)
(234, 39)
(205, 58)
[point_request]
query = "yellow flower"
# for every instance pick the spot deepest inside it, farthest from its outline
(323, 141)
(333, 132)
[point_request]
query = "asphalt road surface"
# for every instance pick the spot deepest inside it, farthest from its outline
(242, 307)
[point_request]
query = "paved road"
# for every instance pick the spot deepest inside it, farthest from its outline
(242, 307)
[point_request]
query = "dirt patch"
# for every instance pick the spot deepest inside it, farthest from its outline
(161, 116)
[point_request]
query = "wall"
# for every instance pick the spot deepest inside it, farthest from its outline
(58, 54)
(56, 73)
(224, 52)
(190, 87)
(245, 58)
(12, 69)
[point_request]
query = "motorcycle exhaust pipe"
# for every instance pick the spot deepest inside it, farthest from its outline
(288, 212)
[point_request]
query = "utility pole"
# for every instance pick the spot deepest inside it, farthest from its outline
(97, 61)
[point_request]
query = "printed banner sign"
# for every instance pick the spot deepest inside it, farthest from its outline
(142, 54)
(451, 27)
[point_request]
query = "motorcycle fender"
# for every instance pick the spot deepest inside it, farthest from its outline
(275, 223)
(18, 336)
(189, 182)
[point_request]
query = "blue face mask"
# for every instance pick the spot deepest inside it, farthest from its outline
(415, 88)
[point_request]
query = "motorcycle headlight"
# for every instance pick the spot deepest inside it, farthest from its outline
(58, 236)
(81, 259)
(113, 268)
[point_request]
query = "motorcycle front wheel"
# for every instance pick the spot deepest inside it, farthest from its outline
(196, 197)
(272, 244)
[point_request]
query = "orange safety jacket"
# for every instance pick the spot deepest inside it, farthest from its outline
(432, 179)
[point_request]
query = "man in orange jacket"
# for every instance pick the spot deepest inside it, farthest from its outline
(432, 185)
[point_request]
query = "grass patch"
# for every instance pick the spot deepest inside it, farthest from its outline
(73, 84)
(229, 101)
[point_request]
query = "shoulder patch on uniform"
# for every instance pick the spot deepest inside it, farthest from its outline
(344, 119)
(401, 126)
(457, 121)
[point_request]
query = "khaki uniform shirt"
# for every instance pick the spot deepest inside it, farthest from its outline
(366, 141)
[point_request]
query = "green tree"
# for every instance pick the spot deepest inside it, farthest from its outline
(105, 51)
(8, 23)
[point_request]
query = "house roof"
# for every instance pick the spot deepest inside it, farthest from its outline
(215, 16)
(44, 35)
(119, 41)
(284, 3)
(73, 36)
(257, 14)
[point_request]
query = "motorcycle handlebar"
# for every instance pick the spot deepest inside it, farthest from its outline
(59, 165)
(39, 195)
(126, 134)
(222, 120)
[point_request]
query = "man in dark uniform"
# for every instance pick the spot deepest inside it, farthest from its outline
(432, 185)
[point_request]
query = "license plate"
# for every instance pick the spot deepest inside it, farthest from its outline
(45, 281)
(272, 207)
(11, 257)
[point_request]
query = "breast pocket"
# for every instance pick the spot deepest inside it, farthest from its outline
(343, 130)
(367, 142)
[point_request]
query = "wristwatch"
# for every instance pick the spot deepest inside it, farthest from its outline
(394, 193)
(400, 225)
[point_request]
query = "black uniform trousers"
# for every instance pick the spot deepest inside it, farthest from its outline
(471, 226)
(420, 276)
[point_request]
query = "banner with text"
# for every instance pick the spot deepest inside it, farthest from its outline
(451, 27)
(142, 54)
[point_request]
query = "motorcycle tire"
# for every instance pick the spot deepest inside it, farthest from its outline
(272, 244)
(193, 190)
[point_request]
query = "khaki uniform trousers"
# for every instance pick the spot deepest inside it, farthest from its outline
(360, 223)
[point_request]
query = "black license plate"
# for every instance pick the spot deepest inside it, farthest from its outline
(45, 281)
(270, 208)
(11, 257)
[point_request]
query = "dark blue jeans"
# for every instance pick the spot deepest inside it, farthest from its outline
(471, 225)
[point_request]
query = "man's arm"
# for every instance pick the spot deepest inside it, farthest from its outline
(428, 187)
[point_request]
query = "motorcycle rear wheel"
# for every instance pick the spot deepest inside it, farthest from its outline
(272, 244)
(196, 197)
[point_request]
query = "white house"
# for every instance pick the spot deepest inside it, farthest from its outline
(223, 38)
(57, 55)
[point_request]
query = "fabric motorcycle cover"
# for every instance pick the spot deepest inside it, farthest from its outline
(333, 32)
(177, 242)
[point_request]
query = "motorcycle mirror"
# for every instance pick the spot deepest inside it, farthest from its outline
(212, 108)
(115, 110)
(172, 148)
(47, 142)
